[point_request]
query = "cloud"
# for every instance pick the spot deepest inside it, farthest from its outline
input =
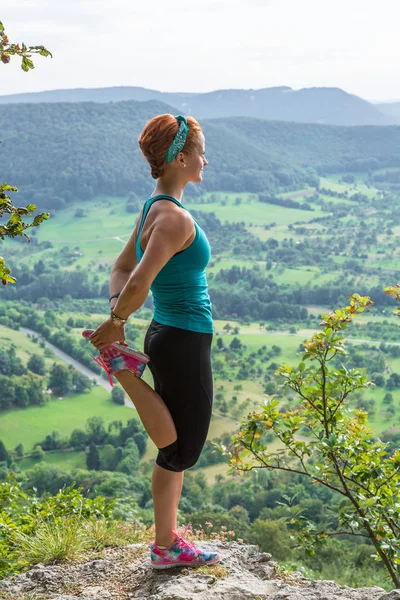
(197, 45)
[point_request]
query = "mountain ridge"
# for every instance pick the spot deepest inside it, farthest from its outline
(327, 105)
(92, 149)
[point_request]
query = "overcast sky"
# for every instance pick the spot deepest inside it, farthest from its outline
(202, 45)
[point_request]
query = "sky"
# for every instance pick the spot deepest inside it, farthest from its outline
(203, 45)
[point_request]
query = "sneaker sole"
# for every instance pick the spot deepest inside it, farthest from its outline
(136, 353)
(185, 564)
(126, 349)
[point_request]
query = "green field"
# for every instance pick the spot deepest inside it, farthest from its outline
(25, 347)
(30, 425)
(67, 460)
(257, 213)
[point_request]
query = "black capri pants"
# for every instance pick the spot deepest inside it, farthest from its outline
(180, 362)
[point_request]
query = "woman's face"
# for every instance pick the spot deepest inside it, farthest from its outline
(196, 162)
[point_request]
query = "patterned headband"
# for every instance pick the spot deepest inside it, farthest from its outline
(179, 140)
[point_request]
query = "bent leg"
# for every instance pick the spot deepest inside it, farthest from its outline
(184, 377)
(152, 410)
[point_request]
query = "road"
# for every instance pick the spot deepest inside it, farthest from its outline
(77, 365)
(128, 403)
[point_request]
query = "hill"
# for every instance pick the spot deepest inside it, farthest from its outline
(60, 152)
(308, 105)
(392, 109)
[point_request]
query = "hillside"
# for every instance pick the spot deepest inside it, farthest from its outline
(392, 109)
(309, 105)
(85, 149)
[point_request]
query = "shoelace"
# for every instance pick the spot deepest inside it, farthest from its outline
(104, 361)
(182, 543)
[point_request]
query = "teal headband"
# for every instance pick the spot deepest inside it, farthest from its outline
(179, 140)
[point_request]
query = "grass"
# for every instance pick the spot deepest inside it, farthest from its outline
(258, 213)
(30, 425)
(333, 183)
(302, 276)
(25, 347)
(69, 538)
(67, 460)
(93, 236)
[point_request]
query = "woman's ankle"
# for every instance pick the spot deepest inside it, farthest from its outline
(166, 541)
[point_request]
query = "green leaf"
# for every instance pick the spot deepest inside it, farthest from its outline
(27, 64)
(1, 26)
(5, 187)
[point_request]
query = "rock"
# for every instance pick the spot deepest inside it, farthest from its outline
(98, 565)
(327, 590)
(125, 574)
(97, 593)
(78, 597)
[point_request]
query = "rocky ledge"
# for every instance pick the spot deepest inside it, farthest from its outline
(124, 574)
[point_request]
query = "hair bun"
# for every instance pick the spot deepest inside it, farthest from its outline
(156, 171)
(158, 135)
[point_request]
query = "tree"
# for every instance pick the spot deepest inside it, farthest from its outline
(271, 536)
(80, 382)
(378, 379)
(130, 462)
(3, 452)
(52, 441)
(7, 397)
(96, 430)
(37, 365)
(20, 450)
(16, 226)
(118, 395)
(388, 398)
(342, 454)
(235, 344)
(38, 453)
(110, 457)
(78, 439)
(60, 380)
(93, 458)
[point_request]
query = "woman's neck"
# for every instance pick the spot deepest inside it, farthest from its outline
(169, 188)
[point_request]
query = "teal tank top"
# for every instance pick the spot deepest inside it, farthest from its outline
(180, 290)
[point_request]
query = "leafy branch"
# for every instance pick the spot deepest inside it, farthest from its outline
(15, 225)
(341, 453)
(7, 50)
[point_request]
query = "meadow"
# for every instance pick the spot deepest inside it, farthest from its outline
(93, 241)
(31, 425)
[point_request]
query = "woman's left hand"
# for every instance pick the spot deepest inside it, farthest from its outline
(106, 334)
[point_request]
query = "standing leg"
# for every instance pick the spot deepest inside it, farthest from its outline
(185, 384)
(167, 489)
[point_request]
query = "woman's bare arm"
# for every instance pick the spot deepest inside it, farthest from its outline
(123, 267)
(170, 232)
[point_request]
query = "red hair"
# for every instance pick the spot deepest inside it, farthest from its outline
(157, 136)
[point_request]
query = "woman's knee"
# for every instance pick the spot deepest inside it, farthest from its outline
(174, 460)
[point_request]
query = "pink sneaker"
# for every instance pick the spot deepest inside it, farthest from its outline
(180, 554)
(119, 357)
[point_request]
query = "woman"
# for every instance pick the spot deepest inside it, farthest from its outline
(167, 253)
